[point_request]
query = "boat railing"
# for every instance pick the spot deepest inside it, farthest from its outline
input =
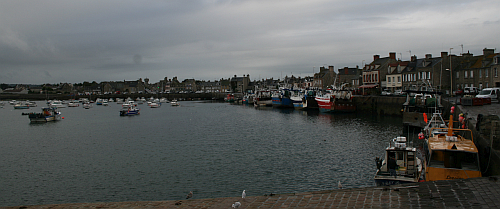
(453, 130)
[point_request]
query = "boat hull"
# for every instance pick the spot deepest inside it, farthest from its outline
(390, 180)
(129, 112)
(327, 106)
(284, 102)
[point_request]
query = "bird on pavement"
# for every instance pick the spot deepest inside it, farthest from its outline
(236, 205)
(244, 194)
(340, 185)
(189, 195)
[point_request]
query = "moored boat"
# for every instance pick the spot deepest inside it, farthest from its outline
(450, 155)
(21, 106)
(48, 114)
(281, 99)
(57, 103)
(408, 166)
(263, 98)
(336, 100)
(130, 111)
(174, 102)
(154, 105)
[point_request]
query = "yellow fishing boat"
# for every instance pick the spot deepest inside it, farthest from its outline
(450, 155)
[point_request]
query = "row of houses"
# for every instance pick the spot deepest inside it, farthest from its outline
(447, 72)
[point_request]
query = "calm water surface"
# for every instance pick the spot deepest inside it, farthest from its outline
(212, 149)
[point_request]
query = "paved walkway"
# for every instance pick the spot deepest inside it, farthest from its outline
(462, 193)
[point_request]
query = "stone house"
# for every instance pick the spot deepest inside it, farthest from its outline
(325, 77)
(350, 75)
(422, 74)
(374, 74)
(240, 84)
(477, 71)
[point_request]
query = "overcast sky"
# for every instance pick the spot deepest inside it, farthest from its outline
(111, 40)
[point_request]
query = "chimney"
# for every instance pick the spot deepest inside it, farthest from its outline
(392, 55)
(487, 52)
(428, 56)
(414, 58)
(346, 70)
(444, 54)
(375, 57)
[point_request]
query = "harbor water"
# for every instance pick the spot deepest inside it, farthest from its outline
(212, 149)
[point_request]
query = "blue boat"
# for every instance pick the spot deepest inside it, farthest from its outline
(131, 111)
(281, 99)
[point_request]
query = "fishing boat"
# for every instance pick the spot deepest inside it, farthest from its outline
(451, 154)
(409, 166)
(263, 98)
(229, 98)
(105, 102)
(281, 98)
(48, 114)
(419, 107)
(130, 111)
(336, 100)
(298, 100)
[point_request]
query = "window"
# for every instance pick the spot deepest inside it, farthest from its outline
(486, 73)
(458, 74)
(399, 79)
(389, 79)
(471, 74)
(465, 74)
(429, 75)
(480, 73)
(480, 86)
(495, 72)
(486, 86)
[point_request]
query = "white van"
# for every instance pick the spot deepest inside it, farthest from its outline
(492, 93)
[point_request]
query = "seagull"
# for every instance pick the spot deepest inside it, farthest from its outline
(244, 194)
(189, 195)
(340, 185)
(236, 205)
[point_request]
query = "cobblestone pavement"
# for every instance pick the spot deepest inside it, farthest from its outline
(461, 193)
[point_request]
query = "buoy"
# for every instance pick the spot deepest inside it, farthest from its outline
(62, 117)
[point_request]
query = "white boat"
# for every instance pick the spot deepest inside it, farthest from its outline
(174, 103)
(30, 104)
(163, 100)
(129, 103)
(73, 104)
(155, 105)
(98, 101)
(87, 105)
(409, 166)
(111, 100)
(105, 102)
(57, 103)
(119, 101)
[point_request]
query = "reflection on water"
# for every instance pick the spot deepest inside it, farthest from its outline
(212, 149)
